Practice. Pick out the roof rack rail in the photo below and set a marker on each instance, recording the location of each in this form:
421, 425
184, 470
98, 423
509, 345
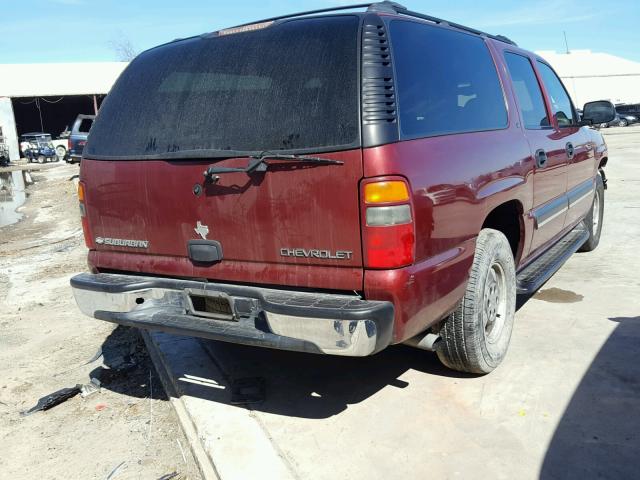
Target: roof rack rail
393, 7
310, 12
386, 7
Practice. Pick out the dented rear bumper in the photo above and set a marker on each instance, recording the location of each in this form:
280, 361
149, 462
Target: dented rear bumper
282, 319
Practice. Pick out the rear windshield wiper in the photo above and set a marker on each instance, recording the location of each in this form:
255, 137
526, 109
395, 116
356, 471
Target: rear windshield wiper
257, 163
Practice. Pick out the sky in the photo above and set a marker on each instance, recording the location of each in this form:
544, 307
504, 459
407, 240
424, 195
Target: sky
34, 31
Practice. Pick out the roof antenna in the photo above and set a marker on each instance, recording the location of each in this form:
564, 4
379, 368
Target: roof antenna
566, 44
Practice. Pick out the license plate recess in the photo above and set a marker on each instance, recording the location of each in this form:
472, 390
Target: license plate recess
210, 304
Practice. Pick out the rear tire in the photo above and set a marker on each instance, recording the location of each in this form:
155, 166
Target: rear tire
475, 337
623, 123
593, 220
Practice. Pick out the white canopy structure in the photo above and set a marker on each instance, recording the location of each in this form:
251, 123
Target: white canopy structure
596, 76
58, 79
42, 80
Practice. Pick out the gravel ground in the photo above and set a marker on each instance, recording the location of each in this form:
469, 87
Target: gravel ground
45, 344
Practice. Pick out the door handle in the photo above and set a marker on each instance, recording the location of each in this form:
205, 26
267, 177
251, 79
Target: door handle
541, 158
570, 150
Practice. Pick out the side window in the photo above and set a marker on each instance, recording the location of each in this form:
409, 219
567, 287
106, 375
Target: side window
527, 89
560, 102
446, 81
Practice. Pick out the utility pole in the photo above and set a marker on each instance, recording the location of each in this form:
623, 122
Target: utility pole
566, 44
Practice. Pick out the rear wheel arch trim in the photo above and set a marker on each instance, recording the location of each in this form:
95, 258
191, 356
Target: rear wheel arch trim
603, 162
487, 222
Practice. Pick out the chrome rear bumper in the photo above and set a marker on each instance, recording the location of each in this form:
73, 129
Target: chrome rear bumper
282, 319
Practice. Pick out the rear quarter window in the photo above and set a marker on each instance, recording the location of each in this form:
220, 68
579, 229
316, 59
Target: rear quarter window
447, 81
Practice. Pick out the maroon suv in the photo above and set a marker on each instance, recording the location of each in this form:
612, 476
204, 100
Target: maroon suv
336, 183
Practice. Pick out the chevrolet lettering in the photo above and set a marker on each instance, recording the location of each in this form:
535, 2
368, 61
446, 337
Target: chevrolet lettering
314, 253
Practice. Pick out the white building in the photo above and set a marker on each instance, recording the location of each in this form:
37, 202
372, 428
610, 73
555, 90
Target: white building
596, 76
47, 96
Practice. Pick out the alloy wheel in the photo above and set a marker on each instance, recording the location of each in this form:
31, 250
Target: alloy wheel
494, 310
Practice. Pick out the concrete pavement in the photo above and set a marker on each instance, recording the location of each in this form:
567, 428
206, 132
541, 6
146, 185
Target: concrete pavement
564, 404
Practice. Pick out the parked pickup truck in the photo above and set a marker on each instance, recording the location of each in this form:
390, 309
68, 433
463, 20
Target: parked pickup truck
337, 183
78, 137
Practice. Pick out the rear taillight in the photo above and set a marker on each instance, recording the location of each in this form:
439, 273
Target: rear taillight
68, 143
388, 230
88, 240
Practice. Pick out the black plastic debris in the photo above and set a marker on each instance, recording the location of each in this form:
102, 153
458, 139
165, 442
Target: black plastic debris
124, 363
95, 357
247, 390
53, 399
118, 367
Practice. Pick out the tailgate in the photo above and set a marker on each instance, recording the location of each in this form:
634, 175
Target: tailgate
286, 88
77, 145
295, 216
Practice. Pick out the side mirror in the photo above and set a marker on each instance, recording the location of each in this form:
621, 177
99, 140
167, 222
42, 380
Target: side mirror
595, 113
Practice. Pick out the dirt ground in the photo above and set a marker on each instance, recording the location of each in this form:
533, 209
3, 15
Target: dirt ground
128, 429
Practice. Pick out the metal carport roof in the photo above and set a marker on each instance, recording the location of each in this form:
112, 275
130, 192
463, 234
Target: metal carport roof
58, 79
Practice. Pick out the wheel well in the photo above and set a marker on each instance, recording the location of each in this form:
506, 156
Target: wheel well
507, 218
603, 162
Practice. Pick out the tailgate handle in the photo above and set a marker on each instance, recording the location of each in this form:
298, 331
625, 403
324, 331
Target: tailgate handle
205, 251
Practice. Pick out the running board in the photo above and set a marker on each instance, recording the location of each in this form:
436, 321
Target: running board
533, 276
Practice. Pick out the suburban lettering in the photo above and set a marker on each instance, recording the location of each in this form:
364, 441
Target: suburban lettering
122, 242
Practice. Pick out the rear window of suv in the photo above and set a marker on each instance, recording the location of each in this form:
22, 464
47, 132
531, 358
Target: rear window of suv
446, 80
85, 125
289, 86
